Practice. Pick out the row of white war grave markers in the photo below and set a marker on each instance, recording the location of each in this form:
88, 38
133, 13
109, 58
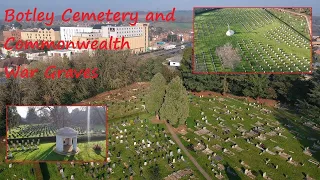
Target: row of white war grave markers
276, 59
206, 28
288, 36
38, 130
206, 131
22, 145
294, 21
31, 131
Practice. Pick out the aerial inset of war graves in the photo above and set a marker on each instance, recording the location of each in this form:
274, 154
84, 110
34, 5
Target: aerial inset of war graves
251, 40
53, 133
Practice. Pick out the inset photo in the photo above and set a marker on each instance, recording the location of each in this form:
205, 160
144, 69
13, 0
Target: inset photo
252, 40
56, 133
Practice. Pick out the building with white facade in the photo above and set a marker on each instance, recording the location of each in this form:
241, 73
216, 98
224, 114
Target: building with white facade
136, 36
60, 53
122, 31
66, 33
88, 35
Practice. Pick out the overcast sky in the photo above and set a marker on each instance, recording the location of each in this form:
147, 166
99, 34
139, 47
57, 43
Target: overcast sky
59, 6
23, 110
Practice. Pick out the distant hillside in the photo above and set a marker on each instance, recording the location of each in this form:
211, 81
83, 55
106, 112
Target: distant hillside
316, 25
181, 16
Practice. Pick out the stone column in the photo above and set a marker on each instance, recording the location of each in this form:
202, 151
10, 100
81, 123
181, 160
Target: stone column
59, 143
70, 141
74, 143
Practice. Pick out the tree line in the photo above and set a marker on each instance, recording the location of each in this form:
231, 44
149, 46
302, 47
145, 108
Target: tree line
120, 68
116, 69
56, 115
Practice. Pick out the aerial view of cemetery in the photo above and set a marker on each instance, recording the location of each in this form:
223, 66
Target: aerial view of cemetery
160, 91
252, 40
229, 137
56, 133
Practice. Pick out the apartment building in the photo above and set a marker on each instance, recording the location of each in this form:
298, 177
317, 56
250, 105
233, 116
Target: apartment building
136, 36
41, 34
86, 36
66, 33
16, 33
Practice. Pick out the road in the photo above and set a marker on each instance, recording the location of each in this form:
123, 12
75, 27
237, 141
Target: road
184, 149
162, 52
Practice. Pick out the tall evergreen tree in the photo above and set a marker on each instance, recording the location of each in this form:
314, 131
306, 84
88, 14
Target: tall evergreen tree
310, 106
13, 117
257, 86
154, 98
32, 116
314, 95
175, 108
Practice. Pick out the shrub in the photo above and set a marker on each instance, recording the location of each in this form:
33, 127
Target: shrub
97, 147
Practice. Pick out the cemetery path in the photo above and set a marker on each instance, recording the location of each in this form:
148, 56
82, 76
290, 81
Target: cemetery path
37, 171
184, 149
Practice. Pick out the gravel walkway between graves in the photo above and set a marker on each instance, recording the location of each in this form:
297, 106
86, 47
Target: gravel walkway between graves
37, 171
184, 149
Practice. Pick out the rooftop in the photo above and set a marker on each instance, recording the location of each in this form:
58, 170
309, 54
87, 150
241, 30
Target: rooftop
13, 61
37, 29
3, 80
98, 26
176, 58
66, 131
55, 28
61, 50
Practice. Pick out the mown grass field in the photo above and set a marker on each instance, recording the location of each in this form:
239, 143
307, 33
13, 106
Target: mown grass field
17, 171
46, 153
263, 42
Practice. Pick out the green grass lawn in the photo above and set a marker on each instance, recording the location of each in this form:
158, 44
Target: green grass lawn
79, 172
298, 22
17, 171
46, 153
263, 43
